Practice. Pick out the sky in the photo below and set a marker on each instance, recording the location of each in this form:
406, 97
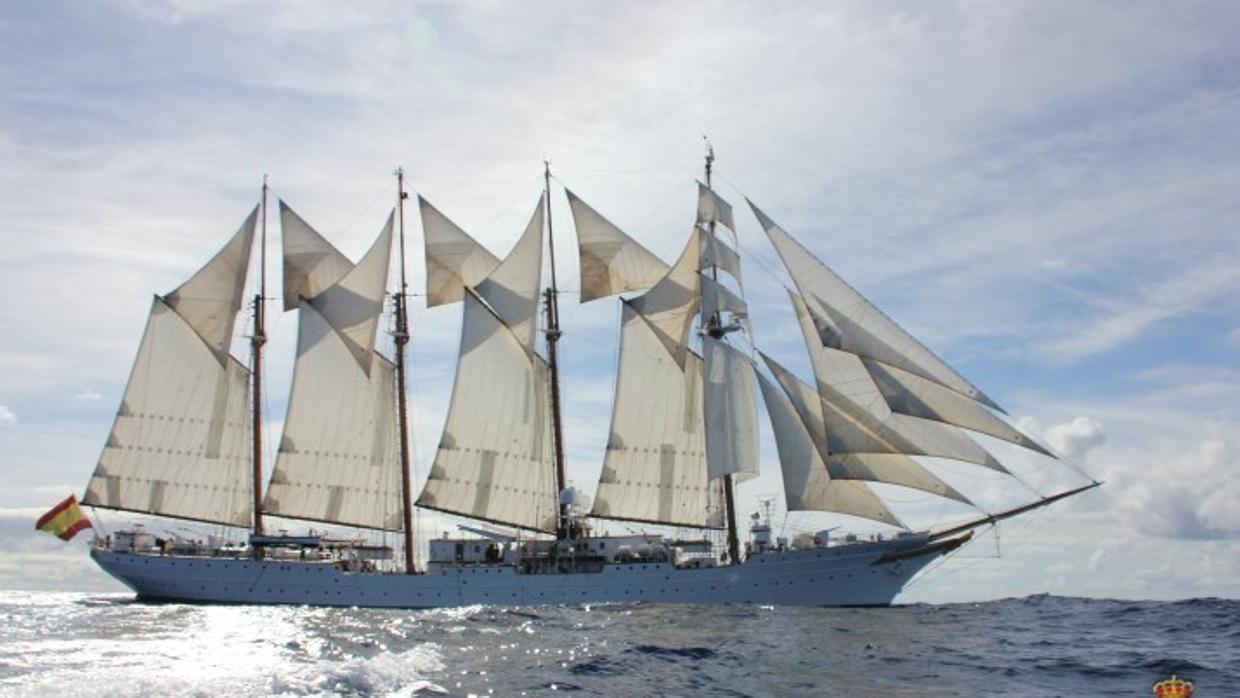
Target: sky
1044, 194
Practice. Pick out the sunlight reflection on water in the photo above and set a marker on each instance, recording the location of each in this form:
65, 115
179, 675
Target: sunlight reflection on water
83, 644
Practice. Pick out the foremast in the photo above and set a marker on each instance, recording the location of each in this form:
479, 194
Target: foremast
715, 329
401, 338
681, 420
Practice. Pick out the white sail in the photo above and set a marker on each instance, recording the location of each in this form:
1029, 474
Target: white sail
712, 208
353, 304
454, 260
849, 449
718, 298
670, 305
866, 422
731, 411
512, 289
718, 255
495, 459
181, 442
210, 299
311, 263
859, 327
909, 394
338, 459
655, 469
807, 484
610, 261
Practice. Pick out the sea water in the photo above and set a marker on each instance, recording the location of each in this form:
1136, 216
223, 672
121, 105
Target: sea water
76, 644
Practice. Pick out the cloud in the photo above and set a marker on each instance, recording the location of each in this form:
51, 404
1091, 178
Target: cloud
1180, 294
1076, 439
1188, 495
7, 416
88, 395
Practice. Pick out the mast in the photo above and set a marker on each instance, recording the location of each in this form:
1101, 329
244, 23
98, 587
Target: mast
553, 336
714, 329
402, 338
257, 340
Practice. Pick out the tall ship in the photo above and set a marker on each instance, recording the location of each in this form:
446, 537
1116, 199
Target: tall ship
684, 433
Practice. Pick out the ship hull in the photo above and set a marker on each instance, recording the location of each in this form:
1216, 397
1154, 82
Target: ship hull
863, 574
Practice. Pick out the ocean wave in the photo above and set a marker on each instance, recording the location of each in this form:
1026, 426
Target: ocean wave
91, 644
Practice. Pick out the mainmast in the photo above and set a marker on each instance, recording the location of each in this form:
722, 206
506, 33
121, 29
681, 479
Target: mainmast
714, 327
553, 336
257, 340
402, 338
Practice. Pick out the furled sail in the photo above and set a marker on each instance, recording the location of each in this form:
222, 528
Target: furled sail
731, 411
611, 262
655, 469
311, 263
337, 460
807, 484
853, 402
859, 327
495, 459
849, 449
180, 445
454, 260
512, 289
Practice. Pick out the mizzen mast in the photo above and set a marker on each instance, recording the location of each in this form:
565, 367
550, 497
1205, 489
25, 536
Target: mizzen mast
257, 340
551, 296
714, 328
402, 338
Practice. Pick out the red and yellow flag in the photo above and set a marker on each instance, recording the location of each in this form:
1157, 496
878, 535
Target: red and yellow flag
64, 520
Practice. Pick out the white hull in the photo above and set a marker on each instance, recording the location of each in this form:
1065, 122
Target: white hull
847, 575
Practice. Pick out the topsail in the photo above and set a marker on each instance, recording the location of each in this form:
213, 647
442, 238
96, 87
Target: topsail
454, 260
610, 261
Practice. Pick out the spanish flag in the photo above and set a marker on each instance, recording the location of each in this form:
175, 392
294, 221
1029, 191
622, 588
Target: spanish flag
64, 520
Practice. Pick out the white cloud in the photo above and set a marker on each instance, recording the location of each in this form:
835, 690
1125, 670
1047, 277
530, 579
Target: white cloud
1193, 497
88, 395
1076, 439
7, 415
1180, 294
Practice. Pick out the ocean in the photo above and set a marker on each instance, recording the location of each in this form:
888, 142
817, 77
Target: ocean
81, 644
